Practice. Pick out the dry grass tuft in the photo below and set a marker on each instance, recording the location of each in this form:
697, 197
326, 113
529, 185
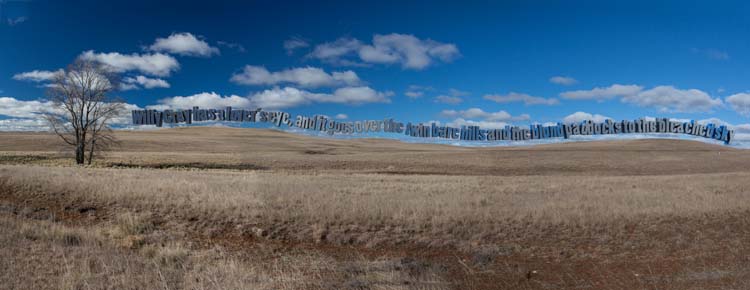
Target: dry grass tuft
267, 210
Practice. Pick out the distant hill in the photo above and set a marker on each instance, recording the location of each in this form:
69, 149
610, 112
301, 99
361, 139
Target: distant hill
236, 140
203, 147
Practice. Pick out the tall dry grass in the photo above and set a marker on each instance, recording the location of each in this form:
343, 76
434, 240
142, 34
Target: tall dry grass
459, 208
41, 254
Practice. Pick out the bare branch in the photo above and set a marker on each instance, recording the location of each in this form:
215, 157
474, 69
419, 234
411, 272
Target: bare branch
82, 109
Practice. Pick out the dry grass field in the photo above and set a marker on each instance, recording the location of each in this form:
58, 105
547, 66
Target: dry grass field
221, 208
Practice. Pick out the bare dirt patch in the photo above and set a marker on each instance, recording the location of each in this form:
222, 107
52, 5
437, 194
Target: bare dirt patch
311, 213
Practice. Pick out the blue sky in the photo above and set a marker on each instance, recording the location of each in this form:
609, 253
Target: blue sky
491, 63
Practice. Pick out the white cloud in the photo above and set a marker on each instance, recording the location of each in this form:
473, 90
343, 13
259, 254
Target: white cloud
740, 103
563, 80
236, 46
457, 93
663, 98
453, 97
583, 116
458, 122
415, 91
294, 43
405, 49
355, 96
408, 50
671, 99
37, 75
600, 94
203, 100
477, 113
448, 100
342, 116
287, 97
420, 88
17, 20
742, 128
15, 108
124, 117
414, 94
29, 115
156, 64
185, 44
712, 120
303, 76
517, 97
333, 51
277, 98
23, 125
134, 83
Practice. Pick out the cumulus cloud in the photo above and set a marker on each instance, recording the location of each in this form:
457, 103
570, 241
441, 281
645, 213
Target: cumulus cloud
663, 98
15, 108
185, 44
563, 80
334, 51
740, 103
294, 43
477, 113
29, 115
23, 125
204, 100
414, 94
457, 93
278, 98
458, 122
134, 83
303, 76
583, 116
453, 97
37, 75
404, 49
342, 116
601, 94
671, 99
156, 64
409, 51
443, 99
742, 128
525, 98
415, 91
356, 96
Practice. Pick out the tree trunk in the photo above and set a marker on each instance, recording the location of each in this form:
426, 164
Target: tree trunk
91, 151
80, 153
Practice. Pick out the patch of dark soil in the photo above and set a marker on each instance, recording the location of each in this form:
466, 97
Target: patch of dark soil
318, 152
16, 159
190, 165
665, 253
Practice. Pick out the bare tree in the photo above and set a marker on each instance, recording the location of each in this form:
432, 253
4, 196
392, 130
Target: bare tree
82, 108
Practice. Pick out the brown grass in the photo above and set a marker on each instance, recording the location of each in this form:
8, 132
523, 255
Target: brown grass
486, 205
41, 254
293, 212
